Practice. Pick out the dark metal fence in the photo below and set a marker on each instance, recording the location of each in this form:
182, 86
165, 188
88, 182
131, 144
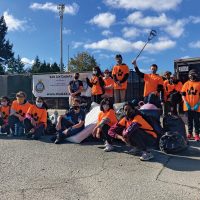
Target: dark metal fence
11, 84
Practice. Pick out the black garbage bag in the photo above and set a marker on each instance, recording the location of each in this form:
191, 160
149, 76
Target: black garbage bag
172, 142
172, 123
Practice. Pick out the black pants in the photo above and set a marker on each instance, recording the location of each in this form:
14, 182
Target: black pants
12, 120
4, 126
193, 121
38, 130
142, 140
167, 107
96, 98
104, 135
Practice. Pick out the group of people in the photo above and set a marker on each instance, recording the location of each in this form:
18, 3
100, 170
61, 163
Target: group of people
165, 93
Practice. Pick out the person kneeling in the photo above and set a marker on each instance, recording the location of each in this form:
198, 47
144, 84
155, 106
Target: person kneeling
106, 119
36, 119
70, 124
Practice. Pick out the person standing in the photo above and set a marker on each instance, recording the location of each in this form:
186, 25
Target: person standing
120, 75
109, 85
153, 87
75, 88
191, 99
97, 84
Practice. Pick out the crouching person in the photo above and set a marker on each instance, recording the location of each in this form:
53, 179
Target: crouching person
18, 111
106, 119
70, 124
135, 131
4, 114
36, 119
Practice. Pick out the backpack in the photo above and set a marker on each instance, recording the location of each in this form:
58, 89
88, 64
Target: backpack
172, 142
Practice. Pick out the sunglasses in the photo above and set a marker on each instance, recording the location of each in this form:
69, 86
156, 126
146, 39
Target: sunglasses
76, 107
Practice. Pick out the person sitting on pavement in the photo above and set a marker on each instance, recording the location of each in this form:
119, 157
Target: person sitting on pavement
18, 111
135, 131
70, 124
75, 88
36, 119
4, 114
106, 119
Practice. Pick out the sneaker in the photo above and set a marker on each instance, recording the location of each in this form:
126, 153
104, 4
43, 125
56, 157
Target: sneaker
57, 141
146, 156
108, 148
134, 151
196, 138
190, 136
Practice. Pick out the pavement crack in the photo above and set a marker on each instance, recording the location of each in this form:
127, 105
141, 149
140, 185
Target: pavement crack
163, 167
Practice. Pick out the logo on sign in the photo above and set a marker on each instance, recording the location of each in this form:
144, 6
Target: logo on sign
183, 68
39, 86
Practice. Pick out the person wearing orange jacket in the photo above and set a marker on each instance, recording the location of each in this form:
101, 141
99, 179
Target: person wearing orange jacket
4, 114
120, 75
97, 84
36, 119
18, 111
191, 99
153, 85
143, 135
109, 85
106, 119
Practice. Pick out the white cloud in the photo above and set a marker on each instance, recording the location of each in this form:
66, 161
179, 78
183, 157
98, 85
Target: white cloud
13, 23
103, 20
174, 28
195, 44
106, 33
157, 5
27, 61
76, 45
177, 28
117, 44
185, 57
149, 21
130, 32
67, 31
69, 9
194, 19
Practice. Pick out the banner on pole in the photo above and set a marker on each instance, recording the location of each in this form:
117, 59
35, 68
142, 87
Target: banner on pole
55, 85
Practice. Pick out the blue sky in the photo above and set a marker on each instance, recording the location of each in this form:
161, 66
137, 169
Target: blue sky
105, 28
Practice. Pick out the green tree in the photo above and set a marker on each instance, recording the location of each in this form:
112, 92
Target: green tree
36, 65
55, 67
16, 65
45, 67
6, 52
82, 62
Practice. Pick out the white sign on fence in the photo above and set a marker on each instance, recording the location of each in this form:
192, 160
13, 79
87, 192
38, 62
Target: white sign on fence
55, 85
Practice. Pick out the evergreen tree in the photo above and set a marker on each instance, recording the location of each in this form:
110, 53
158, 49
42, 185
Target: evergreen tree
55, 67
82, 62
44, 67
16, 65
5, 47
36, 65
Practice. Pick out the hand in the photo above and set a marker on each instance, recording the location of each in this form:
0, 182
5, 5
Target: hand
118, 83
187, 105
73, 94
58, 126
21, 118
98, 134
134, 63
195, 108
94, 132
33, 122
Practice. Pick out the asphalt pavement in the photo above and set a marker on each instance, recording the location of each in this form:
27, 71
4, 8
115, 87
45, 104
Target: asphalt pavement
31, 170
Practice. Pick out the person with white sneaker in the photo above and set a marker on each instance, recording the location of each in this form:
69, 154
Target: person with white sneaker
106, 119
134, 130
